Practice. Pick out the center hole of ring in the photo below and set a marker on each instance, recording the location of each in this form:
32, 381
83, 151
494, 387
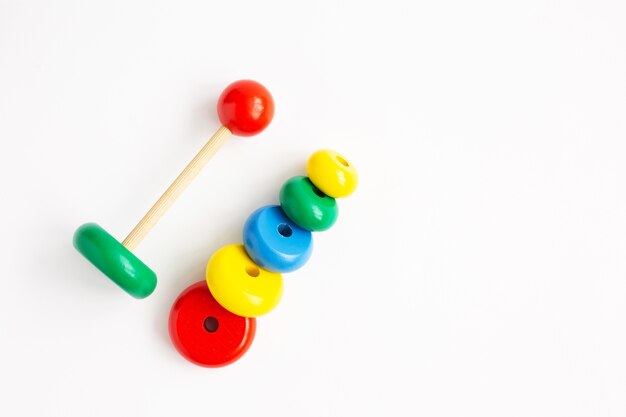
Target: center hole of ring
253, 270
342, 161
285, 230
211, 324
318, 191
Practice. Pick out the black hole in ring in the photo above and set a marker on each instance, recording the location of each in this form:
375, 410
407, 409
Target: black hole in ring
253, 271
342, 161
285, 230
211, 324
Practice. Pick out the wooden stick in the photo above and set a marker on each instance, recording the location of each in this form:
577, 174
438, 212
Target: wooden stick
180, 183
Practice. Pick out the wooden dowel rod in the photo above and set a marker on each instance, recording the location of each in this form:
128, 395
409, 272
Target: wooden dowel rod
180, 183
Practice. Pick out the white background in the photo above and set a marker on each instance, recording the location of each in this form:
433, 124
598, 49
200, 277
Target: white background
479, 270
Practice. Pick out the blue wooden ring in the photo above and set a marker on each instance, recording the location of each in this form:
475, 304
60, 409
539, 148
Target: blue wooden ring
274, 242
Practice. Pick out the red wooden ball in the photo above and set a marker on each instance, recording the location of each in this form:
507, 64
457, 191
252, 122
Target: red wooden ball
245, 107
204, 332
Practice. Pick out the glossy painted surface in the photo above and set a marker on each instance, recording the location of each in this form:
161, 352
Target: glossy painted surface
114, 260
332, 173
204, 332
245, 107
240, 285
307, 206
274, 242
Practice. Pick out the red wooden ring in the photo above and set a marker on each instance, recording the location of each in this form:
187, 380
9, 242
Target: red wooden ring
204, 332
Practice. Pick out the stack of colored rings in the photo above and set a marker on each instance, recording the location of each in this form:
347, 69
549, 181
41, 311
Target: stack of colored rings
213, 324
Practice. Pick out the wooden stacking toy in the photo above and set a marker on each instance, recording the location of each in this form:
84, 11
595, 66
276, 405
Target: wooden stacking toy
245, 108
213, 323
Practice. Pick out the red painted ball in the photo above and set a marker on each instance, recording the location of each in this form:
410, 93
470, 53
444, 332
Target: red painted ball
206, 333
245, 107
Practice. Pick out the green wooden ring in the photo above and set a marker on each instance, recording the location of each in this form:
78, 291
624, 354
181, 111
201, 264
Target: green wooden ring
307, 206
114, 260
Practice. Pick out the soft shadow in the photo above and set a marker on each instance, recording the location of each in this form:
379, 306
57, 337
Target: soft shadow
191, 271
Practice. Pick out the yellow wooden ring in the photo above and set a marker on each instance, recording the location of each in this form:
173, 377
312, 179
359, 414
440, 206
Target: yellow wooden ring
333, 174
241, 286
